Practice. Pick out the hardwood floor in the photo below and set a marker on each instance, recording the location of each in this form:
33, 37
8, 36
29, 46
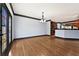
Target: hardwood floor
45, 46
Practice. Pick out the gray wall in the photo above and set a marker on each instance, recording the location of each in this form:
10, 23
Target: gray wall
25, 27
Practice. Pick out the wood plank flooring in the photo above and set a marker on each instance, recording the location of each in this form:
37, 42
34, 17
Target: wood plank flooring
45, 46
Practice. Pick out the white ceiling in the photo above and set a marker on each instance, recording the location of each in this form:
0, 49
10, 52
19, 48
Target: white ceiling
58, 12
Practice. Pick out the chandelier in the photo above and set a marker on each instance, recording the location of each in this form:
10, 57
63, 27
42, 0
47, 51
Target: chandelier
43, 19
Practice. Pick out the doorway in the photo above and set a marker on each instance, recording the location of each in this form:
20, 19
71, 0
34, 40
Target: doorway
53, 27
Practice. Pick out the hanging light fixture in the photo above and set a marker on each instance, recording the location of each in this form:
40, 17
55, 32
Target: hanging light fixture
43, 19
